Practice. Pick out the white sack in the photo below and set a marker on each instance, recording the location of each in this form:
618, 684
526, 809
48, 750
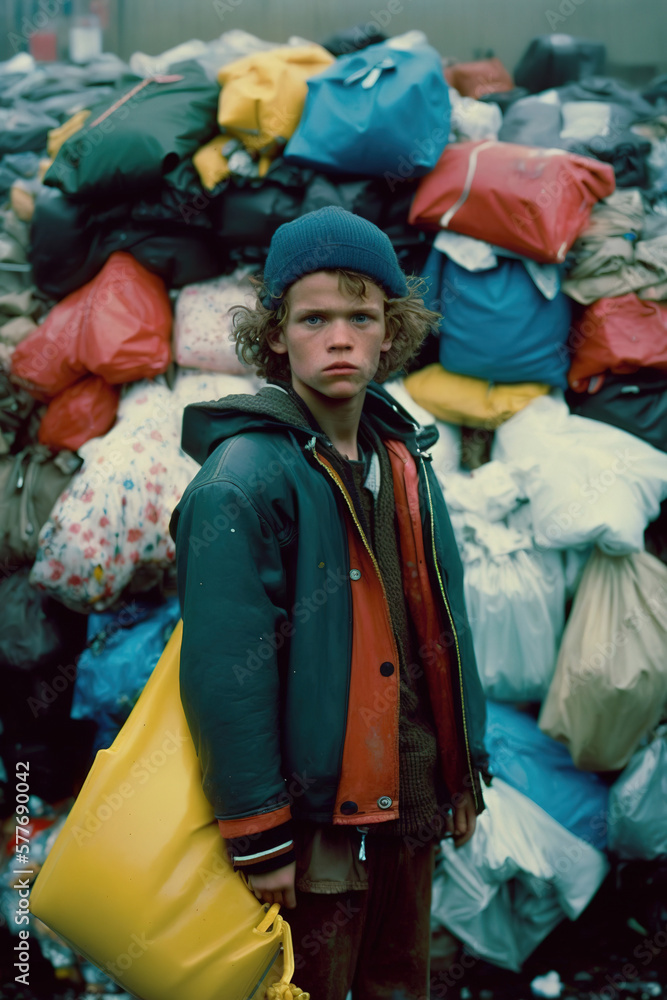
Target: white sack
637, 820
491, 492
520, 874
588, 483
515, 597
473, 119
516, 607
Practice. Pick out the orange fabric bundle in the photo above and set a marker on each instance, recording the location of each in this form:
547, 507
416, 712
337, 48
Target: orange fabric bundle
118, 326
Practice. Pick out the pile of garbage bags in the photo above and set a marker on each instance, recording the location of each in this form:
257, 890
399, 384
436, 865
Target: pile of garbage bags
138, 202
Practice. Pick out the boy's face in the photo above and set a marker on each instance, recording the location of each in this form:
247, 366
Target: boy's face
333, 342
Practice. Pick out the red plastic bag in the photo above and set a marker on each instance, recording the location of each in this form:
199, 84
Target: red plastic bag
80, 412
117, 326
530, 200
474, 79
619, 335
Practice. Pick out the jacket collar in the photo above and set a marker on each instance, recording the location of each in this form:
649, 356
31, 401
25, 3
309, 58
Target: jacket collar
276, 407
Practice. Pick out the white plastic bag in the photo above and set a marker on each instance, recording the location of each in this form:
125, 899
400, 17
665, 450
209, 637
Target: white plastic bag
520, 874
492, 491
516, 607
637, 819
515, 597
515, 594
588, 483
473, 119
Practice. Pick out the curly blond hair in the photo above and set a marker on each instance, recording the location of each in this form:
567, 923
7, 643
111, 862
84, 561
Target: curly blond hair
407, 318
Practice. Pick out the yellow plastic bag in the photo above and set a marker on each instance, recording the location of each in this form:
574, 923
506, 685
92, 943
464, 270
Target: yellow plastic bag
57, 137
460, 399
138, 880
263, 94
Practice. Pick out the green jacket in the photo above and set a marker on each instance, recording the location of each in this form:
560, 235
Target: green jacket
264, 583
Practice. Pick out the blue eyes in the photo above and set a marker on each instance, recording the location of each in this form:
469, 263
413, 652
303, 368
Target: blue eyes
316, 320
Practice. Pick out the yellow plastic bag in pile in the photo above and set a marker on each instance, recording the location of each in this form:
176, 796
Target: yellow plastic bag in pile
209, 162
138, 880
610, 684
460, 399
57, 137
263, 94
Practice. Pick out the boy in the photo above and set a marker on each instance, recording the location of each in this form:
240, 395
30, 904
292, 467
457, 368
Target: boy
327, 669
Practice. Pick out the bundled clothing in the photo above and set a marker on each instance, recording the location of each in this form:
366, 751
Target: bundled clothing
327, 674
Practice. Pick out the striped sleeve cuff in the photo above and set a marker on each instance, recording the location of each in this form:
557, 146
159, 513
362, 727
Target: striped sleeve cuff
263, 852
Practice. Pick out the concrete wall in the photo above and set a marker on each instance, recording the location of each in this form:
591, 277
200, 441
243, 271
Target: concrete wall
634, 31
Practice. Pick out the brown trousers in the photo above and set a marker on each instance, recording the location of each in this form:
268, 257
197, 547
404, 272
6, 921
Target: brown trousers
374, 942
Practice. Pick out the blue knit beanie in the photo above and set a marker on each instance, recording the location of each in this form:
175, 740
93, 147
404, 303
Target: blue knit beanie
330, 237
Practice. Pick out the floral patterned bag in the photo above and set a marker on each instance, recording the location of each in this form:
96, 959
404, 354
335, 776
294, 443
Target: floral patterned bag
203, 323
112, 522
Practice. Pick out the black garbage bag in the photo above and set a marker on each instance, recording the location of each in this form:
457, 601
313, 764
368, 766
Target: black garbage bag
354, 39
171, 235
248, 212
635, 403
552, 60
37, 633
656, 92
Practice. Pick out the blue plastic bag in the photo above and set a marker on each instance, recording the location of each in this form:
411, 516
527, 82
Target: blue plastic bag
497, 325
383, 111
541, 768
123, 650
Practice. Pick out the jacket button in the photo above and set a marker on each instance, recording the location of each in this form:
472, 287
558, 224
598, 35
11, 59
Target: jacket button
355, 574
386, 669
348, 808
385, 802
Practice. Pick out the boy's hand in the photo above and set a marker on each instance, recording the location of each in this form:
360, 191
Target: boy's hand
465, 820
275, 887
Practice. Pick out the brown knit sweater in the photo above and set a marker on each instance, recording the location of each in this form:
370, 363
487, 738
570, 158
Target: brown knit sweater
421, 789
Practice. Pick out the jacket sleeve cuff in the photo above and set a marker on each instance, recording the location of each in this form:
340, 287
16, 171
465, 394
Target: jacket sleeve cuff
264, 851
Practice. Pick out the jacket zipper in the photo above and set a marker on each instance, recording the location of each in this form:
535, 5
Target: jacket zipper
363, 538
456, 638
